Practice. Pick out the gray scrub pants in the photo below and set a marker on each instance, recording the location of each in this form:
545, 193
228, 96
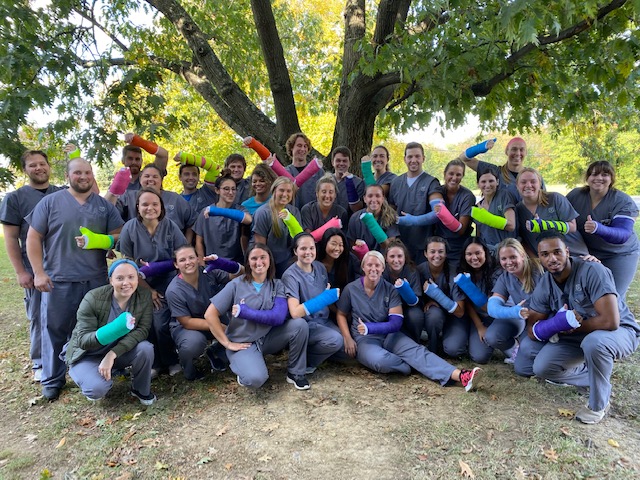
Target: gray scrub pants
434, 319
58, 309
502, 332
160, 337
413, 322
324, 342
32, 299
395, 352
249, 364
93, 385
191, 344
580, 360
623, 267
461, 336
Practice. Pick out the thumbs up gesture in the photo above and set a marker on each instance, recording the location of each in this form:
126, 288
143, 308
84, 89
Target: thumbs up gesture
590, 226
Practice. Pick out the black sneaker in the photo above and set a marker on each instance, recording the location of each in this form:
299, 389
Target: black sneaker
298, 381
144, 399
214, 355
51, 393
470, 378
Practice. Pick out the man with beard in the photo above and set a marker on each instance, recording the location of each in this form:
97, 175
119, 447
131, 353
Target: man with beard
13, 211
66, 262
576, 304
132, 157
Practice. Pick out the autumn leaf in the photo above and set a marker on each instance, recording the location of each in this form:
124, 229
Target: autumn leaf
61, 443
566, 431
228, 466
551, 455
465, 470
203, 460
161, 466
613, 443
265, 458
222, 431
423, 458
563, 412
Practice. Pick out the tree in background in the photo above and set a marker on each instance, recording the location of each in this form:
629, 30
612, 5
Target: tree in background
100, 66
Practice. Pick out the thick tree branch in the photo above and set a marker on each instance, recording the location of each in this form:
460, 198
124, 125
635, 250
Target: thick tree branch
389, 12
279, 81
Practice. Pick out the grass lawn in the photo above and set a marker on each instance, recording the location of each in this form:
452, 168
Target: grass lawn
351, 424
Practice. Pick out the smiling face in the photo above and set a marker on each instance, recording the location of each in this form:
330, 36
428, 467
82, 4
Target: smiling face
237, 170
227, 191
80, 175
372, 268
151, 178
395, 258
374, 198
488, 184
511, 261
340, 163
133, 160
259, 185
305, 250
259, 263
453, 177
516, 151
414, 158
326, 194
283, 194
553, 255
124, 281
37, 169
599, 182
189, 177
475, 256
436, 254
149, 206
335, 247
379, 159
186, 261
529, 186
299, 151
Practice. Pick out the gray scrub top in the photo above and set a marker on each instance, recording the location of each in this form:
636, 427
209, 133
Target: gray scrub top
312, 216
306, 193
176, 208
356, 302
263, 225
304, 286
501, 202
186, 301
58, 218
358, 230
463, 200
221, 235
508, 286
343, 199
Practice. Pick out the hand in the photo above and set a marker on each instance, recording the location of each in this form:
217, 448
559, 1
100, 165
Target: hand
235, 310
399, 282
106, 365
524, 313
270, 159
80, 241
128, 138
157, 299
246, 141
528, 223
482, 332
211, 257
236, 347
177, 158
25, 279
350, 346
42, 282
590, 225
282, 214
438, 207
590, 258
362, 328
205, 211
429, 304
69, 147
366, 158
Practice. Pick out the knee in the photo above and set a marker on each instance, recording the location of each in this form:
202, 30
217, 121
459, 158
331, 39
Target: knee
453, 347
481, 358
97, 390
594, 344
254, 378
298, 326
434, 319
192, 346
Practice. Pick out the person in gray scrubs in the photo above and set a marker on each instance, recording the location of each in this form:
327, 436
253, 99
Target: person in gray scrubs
606, 220
373, 336
92, 354
298, 147
65, 265
258, 324
237, 165
607, 330
349, 185
380, 164
411, 193
305, 280
14, 209
317, 213
385, 215
268, 223
188, 297
152, 237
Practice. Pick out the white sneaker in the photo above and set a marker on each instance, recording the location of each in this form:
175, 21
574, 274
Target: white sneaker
37, 374
588, 416
174, 369
154, 373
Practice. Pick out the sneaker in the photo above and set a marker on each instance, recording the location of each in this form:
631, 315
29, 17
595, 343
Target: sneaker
174, 369
239, 382
310, 370
588, 416
556, 384
298, 381
511, 354
217, 363
37, 374
154, 373
470, 378
95, 400
144, 399
51, 393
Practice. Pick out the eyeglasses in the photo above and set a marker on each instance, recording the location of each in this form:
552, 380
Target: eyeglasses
229, 189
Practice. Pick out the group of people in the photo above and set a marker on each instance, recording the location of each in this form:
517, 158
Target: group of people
385, 269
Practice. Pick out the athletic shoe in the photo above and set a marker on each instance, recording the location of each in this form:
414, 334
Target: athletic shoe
310, 370
51, 393
174, 369
512, 353
144, 399
470, 378
239, 382
557, 384
298, 381
588, 416
37, 374
154, 373
217, 363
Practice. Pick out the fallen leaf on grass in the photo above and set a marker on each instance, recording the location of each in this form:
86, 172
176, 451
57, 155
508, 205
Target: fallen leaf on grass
128, 435
566, 431
161, 466
465, 470
86, 421
31, 438
521, 474
551, 455
270, 428
136, 415
222, 431
364, 403
265, 458
228, 466
467, 451
203, 460
494, 397
61, 443
423, 458
613, 443
564, 412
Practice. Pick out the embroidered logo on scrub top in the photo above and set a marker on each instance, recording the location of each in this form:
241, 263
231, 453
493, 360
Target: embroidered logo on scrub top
578, 288
170, 207
386, 299
102, 209
552, 210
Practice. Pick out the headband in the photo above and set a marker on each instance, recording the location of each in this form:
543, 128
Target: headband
122, 261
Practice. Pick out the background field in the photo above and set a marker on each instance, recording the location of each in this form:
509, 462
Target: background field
351, 424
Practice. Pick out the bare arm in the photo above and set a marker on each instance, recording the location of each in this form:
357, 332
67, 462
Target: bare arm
510, 215
41, 280
191, 323
607, 315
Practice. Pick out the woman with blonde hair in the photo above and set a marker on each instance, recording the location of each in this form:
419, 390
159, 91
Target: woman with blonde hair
325, 208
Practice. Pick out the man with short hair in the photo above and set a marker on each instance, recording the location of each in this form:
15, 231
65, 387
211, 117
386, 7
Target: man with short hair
411, 193
16, 206
189, 176
350, 187
237, 165
132, 157
68, 262
298, 147
576, 304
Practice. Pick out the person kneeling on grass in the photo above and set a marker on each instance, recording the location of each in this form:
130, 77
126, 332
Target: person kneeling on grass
374, 336
111, 331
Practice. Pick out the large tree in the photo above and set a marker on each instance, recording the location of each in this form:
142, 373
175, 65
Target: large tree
98, 66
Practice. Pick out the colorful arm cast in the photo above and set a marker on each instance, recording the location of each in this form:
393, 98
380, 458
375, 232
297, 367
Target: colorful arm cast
274, 317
